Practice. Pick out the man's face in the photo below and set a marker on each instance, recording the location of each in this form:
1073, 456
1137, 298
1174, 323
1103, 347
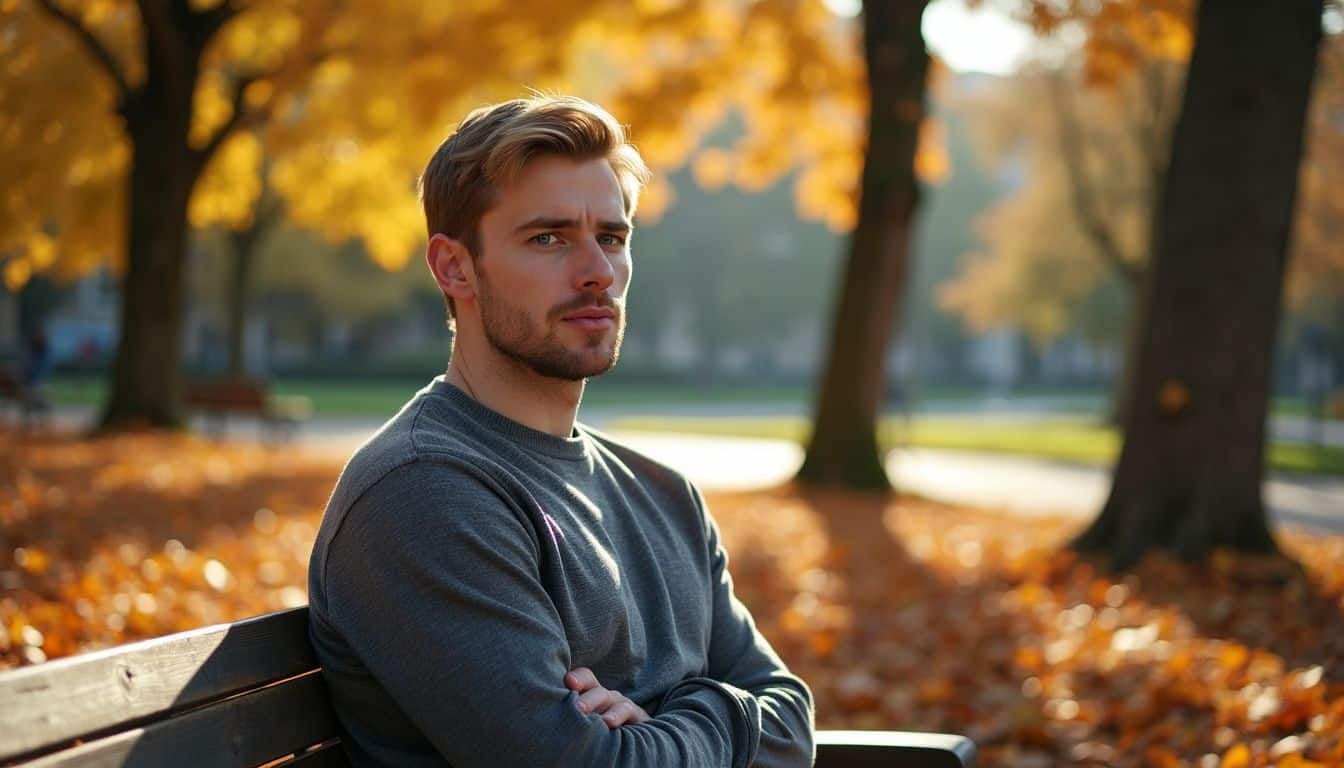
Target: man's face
554, 268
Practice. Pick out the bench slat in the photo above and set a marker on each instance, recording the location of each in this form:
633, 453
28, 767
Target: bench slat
81, 696
246, 730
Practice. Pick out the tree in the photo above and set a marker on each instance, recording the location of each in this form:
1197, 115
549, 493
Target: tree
1190, 470
166, 154
843, 449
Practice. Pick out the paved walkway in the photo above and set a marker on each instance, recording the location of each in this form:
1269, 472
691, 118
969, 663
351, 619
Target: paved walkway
1018, 484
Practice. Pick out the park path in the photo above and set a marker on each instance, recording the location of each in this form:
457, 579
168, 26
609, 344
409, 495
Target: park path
1017, 484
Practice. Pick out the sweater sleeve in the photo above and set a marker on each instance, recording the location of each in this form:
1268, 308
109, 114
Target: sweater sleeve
434, 579
745, 669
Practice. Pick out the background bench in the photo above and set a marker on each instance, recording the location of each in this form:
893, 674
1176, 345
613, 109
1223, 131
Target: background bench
32, 408
218, 398
251, 694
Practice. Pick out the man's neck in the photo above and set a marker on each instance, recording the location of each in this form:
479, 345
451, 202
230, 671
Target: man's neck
513, 390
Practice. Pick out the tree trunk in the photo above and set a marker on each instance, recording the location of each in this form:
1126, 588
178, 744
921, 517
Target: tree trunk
843, 450
242, 270
146, 380
1190, 472
244, 243
708, 306
1123, 387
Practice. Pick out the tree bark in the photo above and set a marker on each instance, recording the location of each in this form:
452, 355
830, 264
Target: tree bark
1190, 471
843, 450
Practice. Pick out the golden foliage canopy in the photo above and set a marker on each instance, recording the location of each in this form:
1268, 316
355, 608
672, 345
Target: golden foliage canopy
337, 105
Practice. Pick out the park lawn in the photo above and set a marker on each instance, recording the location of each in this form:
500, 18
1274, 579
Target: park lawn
1065, 439
899, 613
381, 398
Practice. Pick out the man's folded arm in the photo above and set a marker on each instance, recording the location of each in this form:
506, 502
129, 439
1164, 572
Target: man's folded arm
433, 580
742, 665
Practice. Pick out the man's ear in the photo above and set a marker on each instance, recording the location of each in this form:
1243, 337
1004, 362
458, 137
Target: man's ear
450, 263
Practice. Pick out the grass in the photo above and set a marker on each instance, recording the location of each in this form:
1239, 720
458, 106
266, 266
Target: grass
1066, 439
1072, 437
375, 397
382, 398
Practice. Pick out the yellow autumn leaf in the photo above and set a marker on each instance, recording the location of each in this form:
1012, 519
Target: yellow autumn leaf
1239, 756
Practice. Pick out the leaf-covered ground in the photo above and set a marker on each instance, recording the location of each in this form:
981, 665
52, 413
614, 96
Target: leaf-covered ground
908, 614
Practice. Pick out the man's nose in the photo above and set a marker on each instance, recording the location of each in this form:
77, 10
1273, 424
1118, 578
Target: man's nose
594, 272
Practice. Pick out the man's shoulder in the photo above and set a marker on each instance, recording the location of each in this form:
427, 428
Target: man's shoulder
412, 473
420, 439
418, 450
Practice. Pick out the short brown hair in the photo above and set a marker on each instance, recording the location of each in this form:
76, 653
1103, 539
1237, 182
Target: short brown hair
492, 145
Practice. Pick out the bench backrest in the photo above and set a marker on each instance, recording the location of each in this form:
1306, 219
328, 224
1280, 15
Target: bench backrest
248, 693
226, 394
9, 385
251, 694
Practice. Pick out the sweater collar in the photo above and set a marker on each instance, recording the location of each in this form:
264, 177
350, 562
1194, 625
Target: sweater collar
572, 448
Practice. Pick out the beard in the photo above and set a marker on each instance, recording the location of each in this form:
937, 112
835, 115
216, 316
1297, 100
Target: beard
515, 333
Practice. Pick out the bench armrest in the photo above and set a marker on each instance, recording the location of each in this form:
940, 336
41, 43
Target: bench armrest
893, 749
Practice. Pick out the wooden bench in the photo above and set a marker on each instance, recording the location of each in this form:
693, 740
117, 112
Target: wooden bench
251, 694
33, 409
218, 398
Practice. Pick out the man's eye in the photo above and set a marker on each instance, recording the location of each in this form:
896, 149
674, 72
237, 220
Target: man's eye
615, 240
545, 238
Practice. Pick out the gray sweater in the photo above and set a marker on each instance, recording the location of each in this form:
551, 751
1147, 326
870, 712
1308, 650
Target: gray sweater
466, 563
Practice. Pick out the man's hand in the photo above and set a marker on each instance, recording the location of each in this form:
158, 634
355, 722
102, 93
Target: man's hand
615, 709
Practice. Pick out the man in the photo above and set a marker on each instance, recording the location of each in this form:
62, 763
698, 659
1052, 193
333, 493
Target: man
496, 585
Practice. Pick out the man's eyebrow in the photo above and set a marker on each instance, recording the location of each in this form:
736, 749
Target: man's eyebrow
550, 222
546, 222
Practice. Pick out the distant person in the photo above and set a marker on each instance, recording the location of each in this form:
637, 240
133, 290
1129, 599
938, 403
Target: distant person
496, 585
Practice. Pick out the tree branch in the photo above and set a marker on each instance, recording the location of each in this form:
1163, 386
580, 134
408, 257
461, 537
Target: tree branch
241, 116
1081, 198
91, 44
169, 59
205, 24
1156, 128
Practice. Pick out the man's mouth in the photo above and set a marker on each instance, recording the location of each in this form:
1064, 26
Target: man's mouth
591, 319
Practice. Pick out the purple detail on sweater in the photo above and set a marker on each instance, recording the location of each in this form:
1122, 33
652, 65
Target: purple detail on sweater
556, 533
